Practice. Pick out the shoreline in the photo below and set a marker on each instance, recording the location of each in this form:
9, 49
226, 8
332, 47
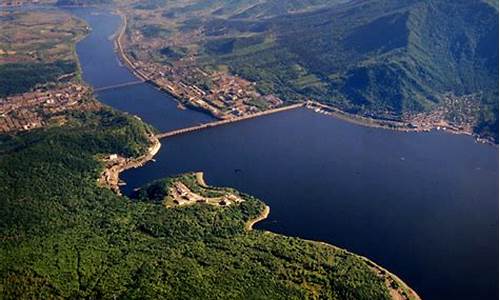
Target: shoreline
200, 179
401, 126
110, 177
403, 290
264, 214
117, 37
344, 116
382, 272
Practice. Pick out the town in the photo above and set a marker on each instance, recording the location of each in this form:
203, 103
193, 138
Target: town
228, 96
231, 97
223, 95
43, 107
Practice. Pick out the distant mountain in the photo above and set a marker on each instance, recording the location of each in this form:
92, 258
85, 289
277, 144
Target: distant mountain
242, 8
270, 8
82, 2
383, 58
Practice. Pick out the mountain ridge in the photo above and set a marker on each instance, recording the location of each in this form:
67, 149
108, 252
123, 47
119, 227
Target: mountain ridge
385, 58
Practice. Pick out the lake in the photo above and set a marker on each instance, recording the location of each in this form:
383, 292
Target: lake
423, 205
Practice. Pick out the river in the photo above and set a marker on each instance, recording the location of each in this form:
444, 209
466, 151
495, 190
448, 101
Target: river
423, 205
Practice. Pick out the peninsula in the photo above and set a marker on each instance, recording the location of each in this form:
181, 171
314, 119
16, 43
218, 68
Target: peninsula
66, 232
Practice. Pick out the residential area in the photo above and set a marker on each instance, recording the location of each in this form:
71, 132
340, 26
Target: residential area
41, 107
223, 95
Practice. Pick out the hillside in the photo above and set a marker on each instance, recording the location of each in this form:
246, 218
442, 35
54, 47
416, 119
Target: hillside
238, 8
63, 236
384, 59
36, 48
379, 58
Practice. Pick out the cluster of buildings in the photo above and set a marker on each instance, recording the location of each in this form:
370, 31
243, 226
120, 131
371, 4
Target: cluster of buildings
454, 113
227, 97
223, 95
182, 196
35, 109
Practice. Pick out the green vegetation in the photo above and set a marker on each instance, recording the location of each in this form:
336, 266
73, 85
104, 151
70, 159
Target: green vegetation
381, 58
358, 64
240, 8
172, 53
157, 191
16, 78
149, 4
62, 236
39, 36
154, 31
37, 48
487, 125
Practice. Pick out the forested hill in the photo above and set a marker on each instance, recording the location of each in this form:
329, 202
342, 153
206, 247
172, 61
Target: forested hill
64, 237
383, 58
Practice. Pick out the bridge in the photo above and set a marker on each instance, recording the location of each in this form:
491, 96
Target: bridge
227, 121
119, 85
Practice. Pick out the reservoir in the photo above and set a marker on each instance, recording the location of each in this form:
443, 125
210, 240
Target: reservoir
423, 205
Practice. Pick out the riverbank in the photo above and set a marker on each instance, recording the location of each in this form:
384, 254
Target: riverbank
403, 126
390, 125
118, 42
414, 262
399, 290
264, 214
114, 165
119, 48
200, 179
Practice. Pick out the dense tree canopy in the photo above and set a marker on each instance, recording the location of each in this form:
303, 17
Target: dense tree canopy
63, 236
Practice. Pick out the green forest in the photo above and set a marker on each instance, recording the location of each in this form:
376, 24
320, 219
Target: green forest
382, 59
62, 236
16, 78
385, 59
